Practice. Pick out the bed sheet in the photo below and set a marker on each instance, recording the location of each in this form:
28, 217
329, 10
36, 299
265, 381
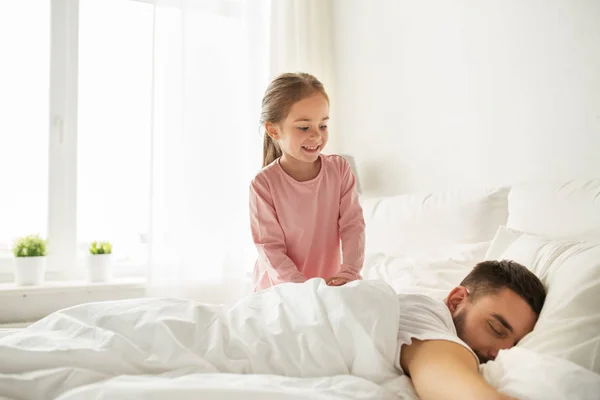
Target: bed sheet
433, 273
270, 345
233, 386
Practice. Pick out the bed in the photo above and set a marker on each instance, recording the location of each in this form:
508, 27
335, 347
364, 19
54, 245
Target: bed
175, 348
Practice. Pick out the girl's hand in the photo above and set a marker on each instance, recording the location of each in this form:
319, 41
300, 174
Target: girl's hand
336, 281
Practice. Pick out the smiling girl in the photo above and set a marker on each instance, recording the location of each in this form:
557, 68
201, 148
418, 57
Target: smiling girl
303, 204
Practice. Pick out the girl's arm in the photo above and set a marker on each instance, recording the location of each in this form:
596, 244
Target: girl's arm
269, 238
351, 226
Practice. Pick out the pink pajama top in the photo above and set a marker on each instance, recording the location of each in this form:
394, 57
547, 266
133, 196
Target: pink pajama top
298, 227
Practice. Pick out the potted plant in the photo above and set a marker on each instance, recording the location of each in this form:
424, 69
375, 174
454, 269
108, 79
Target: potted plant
30, 260
99, 261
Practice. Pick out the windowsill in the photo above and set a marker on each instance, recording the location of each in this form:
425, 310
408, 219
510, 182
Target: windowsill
26, 304
30, 303
76, 274
57, 287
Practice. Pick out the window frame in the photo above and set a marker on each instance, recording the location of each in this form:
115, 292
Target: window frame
62, 168
62, 146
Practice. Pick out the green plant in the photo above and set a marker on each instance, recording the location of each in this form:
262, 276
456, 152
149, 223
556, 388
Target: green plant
97, 248
29, 246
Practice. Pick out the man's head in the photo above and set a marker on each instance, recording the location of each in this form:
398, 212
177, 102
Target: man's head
495, 306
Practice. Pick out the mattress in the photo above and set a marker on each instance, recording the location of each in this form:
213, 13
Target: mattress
232, 386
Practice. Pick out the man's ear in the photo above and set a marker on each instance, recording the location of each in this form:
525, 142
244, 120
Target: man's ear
456, 298
272, 130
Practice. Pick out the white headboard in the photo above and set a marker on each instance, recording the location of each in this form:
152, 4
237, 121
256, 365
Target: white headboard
422, 222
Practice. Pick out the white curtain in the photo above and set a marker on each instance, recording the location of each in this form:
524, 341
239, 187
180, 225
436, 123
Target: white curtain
302, 41
212, 62
301, 38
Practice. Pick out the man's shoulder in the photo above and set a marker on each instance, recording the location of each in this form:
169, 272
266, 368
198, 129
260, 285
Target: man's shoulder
425, 318
426, 310
410, 299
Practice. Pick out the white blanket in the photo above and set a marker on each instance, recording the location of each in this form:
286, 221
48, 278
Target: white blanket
341, 342
308, 330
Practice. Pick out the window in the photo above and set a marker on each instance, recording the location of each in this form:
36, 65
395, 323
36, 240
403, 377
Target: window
77, 79
24, 131
114, 127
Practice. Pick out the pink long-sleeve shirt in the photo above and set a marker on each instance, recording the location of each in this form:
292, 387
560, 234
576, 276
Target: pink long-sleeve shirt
297, 227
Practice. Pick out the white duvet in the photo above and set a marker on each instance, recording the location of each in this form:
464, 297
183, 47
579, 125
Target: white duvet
296, 341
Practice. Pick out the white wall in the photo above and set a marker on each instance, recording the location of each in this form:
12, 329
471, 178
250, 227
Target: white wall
436, 93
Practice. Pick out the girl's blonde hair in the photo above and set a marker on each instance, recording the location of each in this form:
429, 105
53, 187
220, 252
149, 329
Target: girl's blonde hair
283, 92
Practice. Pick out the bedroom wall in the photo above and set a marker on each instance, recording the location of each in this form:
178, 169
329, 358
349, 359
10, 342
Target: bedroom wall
434, 93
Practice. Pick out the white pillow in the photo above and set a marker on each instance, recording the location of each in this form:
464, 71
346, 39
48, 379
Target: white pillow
415, 223
502, 240
431, 274
506, 236
555, 209
569, 324
527, 375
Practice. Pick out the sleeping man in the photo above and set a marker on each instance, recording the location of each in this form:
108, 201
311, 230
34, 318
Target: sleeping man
440, 345
305, 330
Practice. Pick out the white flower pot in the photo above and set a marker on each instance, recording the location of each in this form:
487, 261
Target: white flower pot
29, 270
99, 267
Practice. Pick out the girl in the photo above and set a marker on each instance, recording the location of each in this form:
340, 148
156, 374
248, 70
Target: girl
303, 203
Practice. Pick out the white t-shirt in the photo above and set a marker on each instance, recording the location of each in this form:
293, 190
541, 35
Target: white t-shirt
424, 318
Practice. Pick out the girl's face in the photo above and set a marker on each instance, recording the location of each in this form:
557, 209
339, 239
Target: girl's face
302, 135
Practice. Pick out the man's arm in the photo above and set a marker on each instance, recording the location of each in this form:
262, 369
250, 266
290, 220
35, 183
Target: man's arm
442, 369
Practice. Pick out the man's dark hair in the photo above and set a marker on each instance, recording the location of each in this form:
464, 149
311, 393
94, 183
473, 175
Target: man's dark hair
491, 276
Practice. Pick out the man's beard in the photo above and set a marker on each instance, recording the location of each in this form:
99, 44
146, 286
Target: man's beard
459, 322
